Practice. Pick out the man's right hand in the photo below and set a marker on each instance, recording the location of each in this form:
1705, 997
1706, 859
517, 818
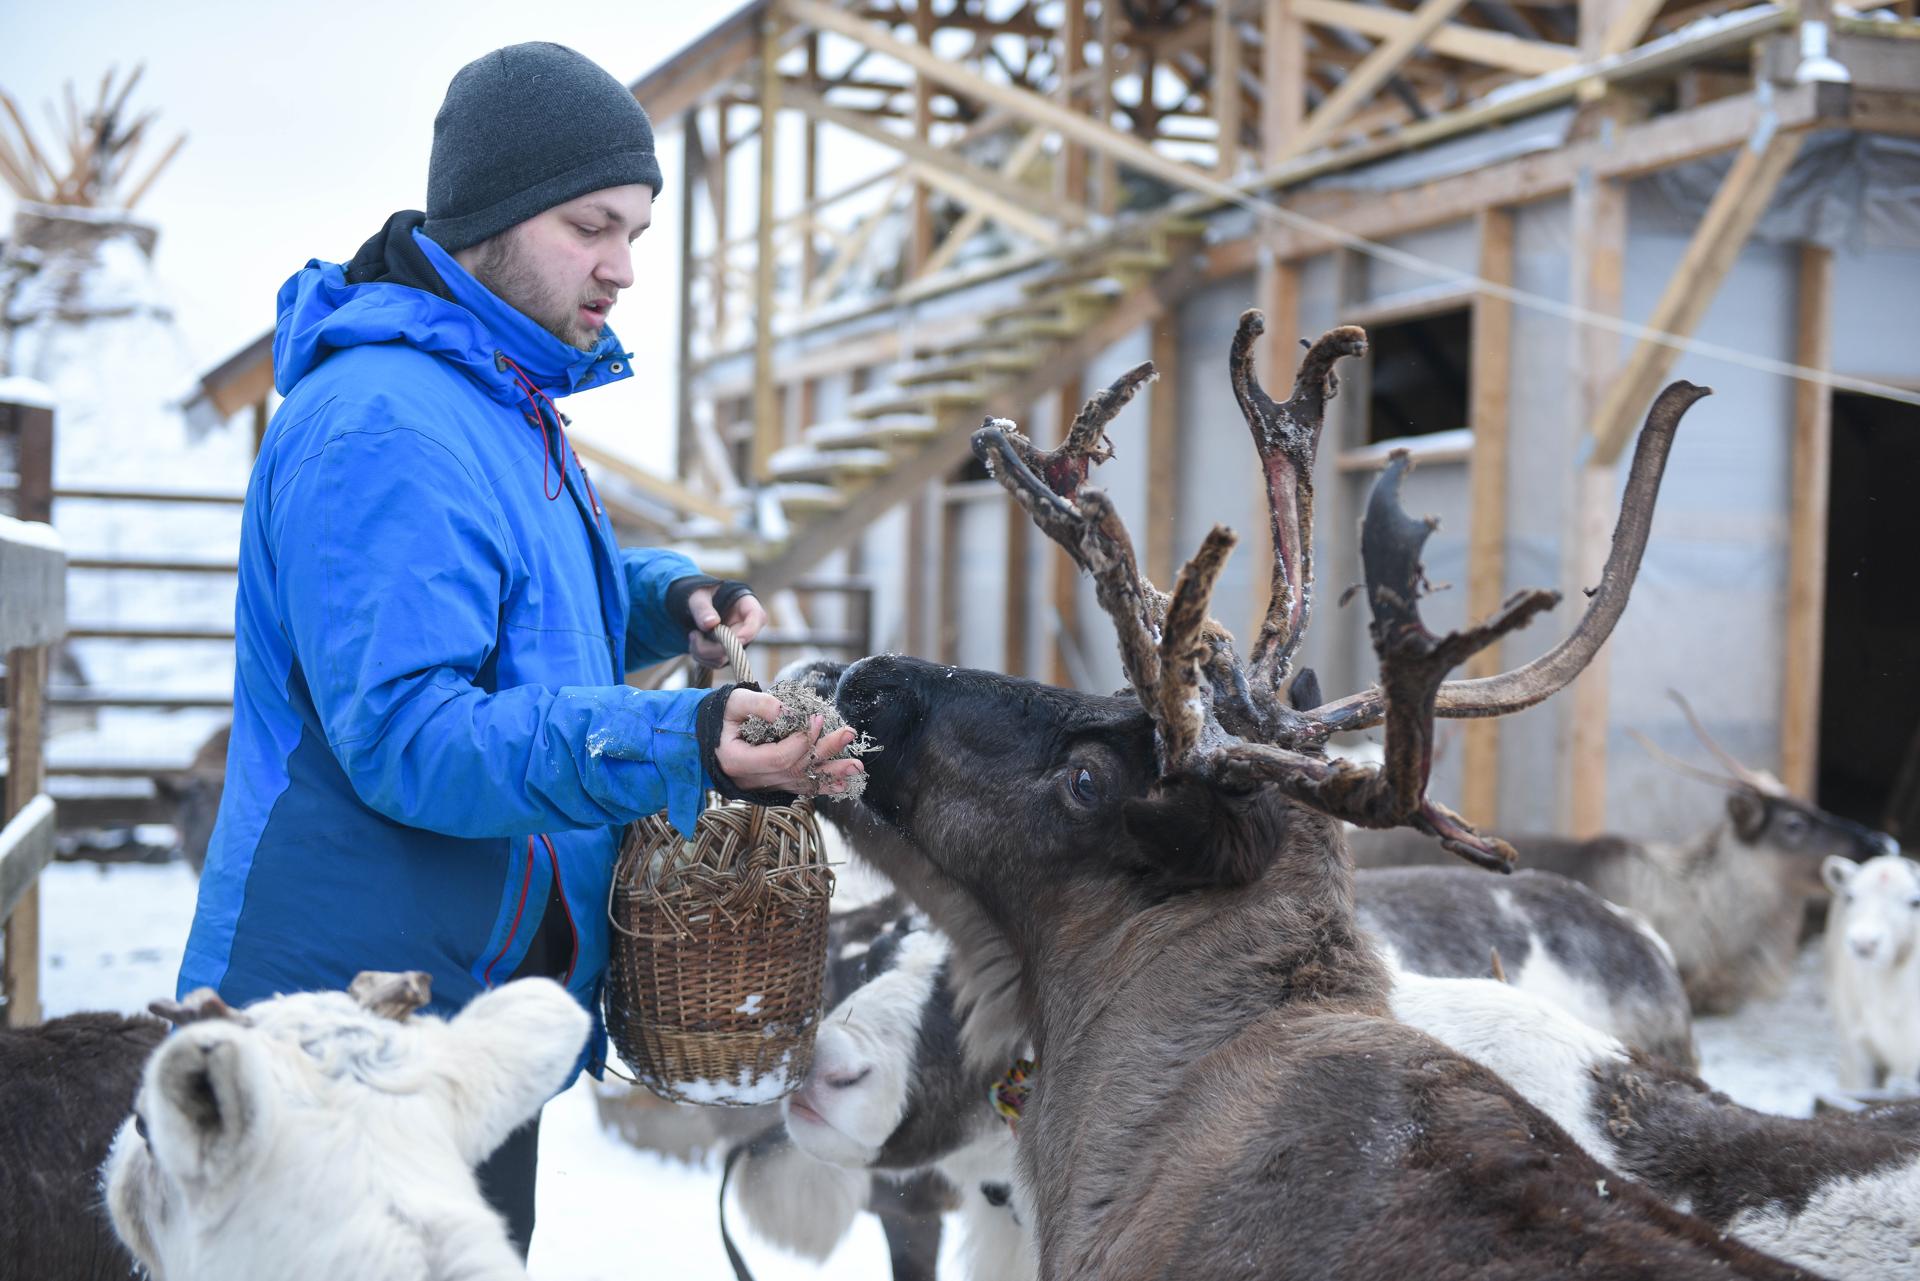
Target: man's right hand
782, 766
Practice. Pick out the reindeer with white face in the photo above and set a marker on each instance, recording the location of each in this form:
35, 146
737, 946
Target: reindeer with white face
1222, 1089
328, 1135
1873, 970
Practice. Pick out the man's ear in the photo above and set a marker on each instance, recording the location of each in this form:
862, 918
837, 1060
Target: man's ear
1196, 835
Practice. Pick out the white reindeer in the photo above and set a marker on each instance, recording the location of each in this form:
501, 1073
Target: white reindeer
1873, 969
328, 1135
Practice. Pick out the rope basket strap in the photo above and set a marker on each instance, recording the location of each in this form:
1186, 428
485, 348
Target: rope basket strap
736, 658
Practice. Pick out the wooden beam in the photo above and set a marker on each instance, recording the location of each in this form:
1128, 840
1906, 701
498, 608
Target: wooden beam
1807, 531
1163, 446
1470, 44
26, 846
810, 177
715, 59
1226, 88
854, 247
766, 388
1018, 161
1283, 76
1743, 196
1491, 388
1372, 72
1630, 23
1032, 211
717, 191
1106, 175
1073, 39
685, 501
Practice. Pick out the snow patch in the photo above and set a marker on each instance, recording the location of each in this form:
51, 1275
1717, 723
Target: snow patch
15, 390
750, 1006
30, 533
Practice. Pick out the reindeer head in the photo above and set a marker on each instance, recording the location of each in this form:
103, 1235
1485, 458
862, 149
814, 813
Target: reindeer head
1211, 770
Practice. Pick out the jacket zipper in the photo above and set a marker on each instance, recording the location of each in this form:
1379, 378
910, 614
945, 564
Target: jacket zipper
526, 879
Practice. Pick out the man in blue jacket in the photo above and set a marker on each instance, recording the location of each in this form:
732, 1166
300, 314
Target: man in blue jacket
433, 750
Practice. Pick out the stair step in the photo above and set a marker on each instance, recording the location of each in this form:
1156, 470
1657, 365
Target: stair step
874, 433
927, 398
938, 365
800, 496
827, 466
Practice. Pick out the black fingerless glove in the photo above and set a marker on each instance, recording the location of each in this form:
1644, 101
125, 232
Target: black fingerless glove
726, 594
709, 719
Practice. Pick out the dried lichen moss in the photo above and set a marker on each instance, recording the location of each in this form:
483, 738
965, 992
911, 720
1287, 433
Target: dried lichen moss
802, 705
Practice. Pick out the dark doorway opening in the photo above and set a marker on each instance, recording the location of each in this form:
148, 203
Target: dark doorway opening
1870, 664
1418, 384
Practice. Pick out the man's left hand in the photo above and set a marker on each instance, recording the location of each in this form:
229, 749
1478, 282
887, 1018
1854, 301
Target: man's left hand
746, 616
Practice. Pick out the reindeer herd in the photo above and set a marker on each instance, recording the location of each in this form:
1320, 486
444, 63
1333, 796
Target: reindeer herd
1133, 1012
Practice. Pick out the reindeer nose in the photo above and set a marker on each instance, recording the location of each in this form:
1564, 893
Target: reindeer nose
1864, 948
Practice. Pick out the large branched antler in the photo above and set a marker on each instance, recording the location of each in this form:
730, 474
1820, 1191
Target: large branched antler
1229, 724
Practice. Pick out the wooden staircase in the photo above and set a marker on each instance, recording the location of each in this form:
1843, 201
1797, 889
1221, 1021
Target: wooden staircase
897, 437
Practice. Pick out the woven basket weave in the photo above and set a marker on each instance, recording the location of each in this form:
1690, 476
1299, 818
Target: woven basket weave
719, 949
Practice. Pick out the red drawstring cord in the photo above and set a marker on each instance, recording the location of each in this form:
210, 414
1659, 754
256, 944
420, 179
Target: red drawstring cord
534, 396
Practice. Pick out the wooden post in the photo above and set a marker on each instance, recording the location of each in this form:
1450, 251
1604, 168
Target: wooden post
1277, 294
952, 510
1599, 248
717, 188
1073, 161
1807, 534
26, 776
692, 166
1487, 478
921, 515
767, 435
26, 728
1065, 574
921, 244
1226, 88
1283, 77
1019, 612
810, 174
1163, 446
1106, 172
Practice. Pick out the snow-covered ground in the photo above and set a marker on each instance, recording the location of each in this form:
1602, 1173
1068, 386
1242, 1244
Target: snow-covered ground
112, 939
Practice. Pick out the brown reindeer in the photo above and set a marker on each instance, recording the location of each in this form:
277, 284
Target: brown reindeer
1156, 885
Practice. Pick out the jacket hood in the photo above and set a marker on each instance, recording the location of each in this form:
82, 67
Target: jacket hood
402, 287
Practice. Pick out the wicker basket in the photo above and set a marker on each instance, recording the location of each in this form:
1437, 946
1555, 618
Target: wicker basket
719, 948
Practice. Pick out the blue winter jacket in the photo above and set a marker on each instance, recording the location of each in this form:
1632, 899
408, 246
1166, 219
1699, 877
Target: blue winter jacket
432, 629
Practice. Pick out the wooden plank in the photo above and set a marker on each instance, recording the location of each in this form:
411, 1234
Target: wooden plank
717, 192
26, 846
810, 176
949, 511
1364, 80
1470, 44
854, 246
26, 779
914, 472
1491, 389
1106, 175
148, 631
117, 494
766, 402
153, 565
963, 179
1163, 447
1226, 88
1807, 532
1630, 23
920, 519
1736, 206
1013, 216
33, 585
1073, 41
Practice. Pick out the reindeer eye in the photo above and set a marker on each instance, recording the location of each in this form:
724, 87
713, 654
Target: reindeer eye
140, 1128
1083, 785
1793, 826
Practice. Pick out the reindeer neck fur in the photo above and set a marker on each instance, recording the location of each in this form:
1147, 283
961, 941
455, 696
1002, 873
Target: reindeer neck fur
1732, 921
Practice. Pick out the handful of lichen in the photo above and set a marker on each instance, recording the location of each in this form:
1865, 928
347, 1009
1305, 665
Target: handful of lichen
802, 705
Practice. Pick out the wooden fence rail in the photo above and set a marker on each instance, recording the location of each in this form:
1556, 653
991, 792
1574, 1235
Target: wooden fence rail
33, 615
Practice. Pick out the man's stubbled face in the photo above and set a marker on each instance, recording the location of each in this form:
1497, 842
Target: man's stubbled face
564, 268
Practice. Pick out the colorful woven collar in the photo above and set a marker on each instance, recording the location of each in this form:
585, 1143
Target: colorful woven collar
1010, 1092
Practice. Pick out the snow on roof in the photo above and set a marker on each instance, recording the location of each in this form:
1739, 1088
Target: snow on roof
30, 533
18, 390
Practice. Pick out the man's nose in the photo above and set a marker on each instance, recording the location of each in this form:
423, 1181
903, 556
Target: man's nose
616, 268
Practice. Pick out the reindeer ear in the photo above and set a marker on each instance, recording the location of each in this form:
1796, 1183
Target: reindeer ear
1838, 872
1199, 835
208, 1098
506, 1054
1749, 814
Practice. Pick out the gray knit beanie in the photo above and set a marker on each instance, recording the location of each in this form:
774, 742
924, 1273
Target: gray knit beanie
526, 128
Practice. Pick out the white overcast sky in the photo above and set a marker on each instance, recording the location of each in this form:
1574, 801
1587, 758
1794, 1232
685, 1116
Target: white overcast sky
309, 123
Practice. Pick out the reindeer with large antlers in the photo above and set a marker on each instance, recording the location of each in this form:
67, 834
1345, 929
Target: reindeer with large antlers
1154, 885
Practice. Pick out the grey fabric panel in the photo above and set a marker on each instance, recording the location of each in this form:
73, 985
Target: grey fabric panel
1455, 245
1873, 313
979, 626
